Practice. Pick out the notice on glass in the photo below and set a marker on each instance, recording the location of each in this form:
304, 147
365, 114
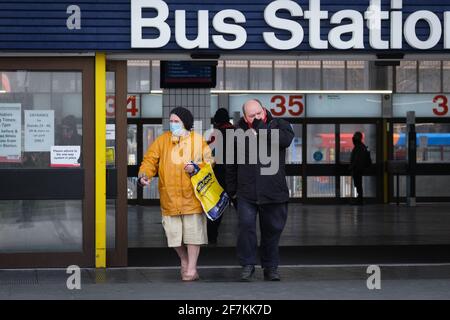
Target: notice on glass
10, 132
39, 130
65, 156
110, 132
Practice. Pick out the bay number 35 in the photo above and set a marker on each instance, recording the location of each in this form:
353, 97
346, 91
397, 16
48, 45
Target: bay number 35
294, 108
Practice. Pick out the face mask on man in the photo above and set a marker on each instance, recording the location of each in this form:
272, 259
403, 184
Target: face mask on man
177, 129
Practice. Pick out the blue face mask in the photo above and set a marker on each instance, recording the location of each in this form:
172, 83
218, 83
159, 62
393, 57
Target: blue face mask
176, 128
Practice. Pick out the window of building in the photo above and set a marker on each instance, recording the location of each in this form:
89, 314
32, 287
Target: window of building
309, 75
333, 73
285, 75
261, 75
406, 76
236, 75
429, 76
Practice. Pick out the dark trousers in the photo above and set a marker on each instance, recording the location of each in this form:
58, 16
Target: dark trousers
213, 229
358, 182
272, 219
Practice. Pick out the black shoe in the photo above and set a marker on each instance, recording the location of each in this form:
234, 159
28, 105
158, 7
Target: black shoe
271, 274
247, 273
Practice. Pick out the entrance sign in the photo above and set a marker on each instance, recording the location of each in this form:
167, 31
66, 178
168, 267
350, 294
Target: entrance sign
10, 132
65, 156
39, 130
424, 105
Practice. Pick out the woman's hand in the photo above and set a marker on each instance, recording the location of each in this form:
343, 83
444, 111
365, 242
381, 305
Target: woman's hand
189, 168
144, 181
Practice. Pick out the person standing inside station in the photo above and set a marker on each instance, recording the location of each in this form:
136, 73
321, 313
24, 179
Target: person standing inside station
221, 123
183, 219
359, 161
257, 193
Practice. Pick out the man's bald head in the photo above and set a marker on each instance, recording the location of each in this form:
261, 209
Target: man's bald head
253, 109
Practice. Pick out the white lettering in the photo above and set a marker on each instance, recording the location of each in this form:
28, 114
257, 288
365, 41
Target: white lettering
435, 29
293, 27
202, 40
315, 15
159, 22
355, 28
73, 22
238, 31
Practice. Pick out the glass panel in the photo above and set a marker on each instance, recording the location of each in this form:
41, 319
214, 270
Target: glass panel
348, 190
429, 76
132, 144
151, 106
156, 73
333, 75
357, 75
41, 226
426, 186
321, 187
220, 83
343, 105
446, 75
150, 133
261, 75
369, 132
309, 73
236, 75
132, 188
110, 223
214, 104
285, 75
321, 144
407, 76
294, 152
151, 191
65, 82
433, 142
295, 186
138, 76
34, 124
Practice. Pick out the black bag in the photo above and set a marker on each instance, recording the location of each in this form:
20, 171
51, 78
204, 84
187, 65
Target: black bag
368, 159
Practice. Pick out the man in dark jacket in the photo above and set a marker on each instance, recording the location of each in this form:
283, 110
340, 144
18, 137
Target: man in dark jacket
358, 163
256, 193
221, 123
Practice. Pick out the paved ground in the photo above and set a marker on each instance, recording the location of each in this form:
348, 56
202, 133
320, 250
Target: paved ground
299, 282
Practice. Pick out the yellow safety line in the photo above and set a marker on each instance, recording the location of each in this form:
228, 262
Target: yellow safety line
100, 160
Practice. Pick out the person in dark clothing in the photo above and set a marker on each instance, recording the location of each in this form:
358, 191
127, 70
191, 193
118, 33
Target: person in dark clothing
358, 163
221, 123
260, 193
69, 134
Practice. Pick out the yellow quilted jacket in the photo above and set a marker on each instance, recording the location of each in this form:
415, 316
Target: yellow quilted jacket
167, 156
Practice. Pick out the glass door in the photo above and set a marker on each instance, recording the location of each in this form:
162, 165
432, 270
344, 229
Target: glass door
47, 162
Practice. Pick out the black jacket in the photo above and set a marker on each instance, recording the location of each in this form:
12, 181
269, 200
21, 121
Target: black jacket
246, 181
221, 169
358, 158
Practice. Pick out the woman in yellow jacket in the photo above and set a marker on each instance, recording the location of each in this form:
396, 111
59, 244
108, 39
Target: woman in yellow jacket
182, 215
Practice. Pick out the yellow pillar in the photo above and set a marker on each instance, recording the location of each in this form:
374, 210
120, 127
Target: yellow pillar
100, 160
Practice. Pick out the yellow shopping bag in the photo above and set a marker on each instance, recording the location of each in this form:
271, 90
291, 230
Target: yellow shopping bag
209, 192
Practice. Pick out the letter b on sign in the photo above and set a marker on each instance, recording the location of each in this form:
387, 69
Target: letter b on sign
374, 281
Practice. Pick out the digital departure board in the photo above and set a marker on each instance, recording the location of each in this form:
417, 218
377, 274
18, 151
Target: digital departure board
188, 74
